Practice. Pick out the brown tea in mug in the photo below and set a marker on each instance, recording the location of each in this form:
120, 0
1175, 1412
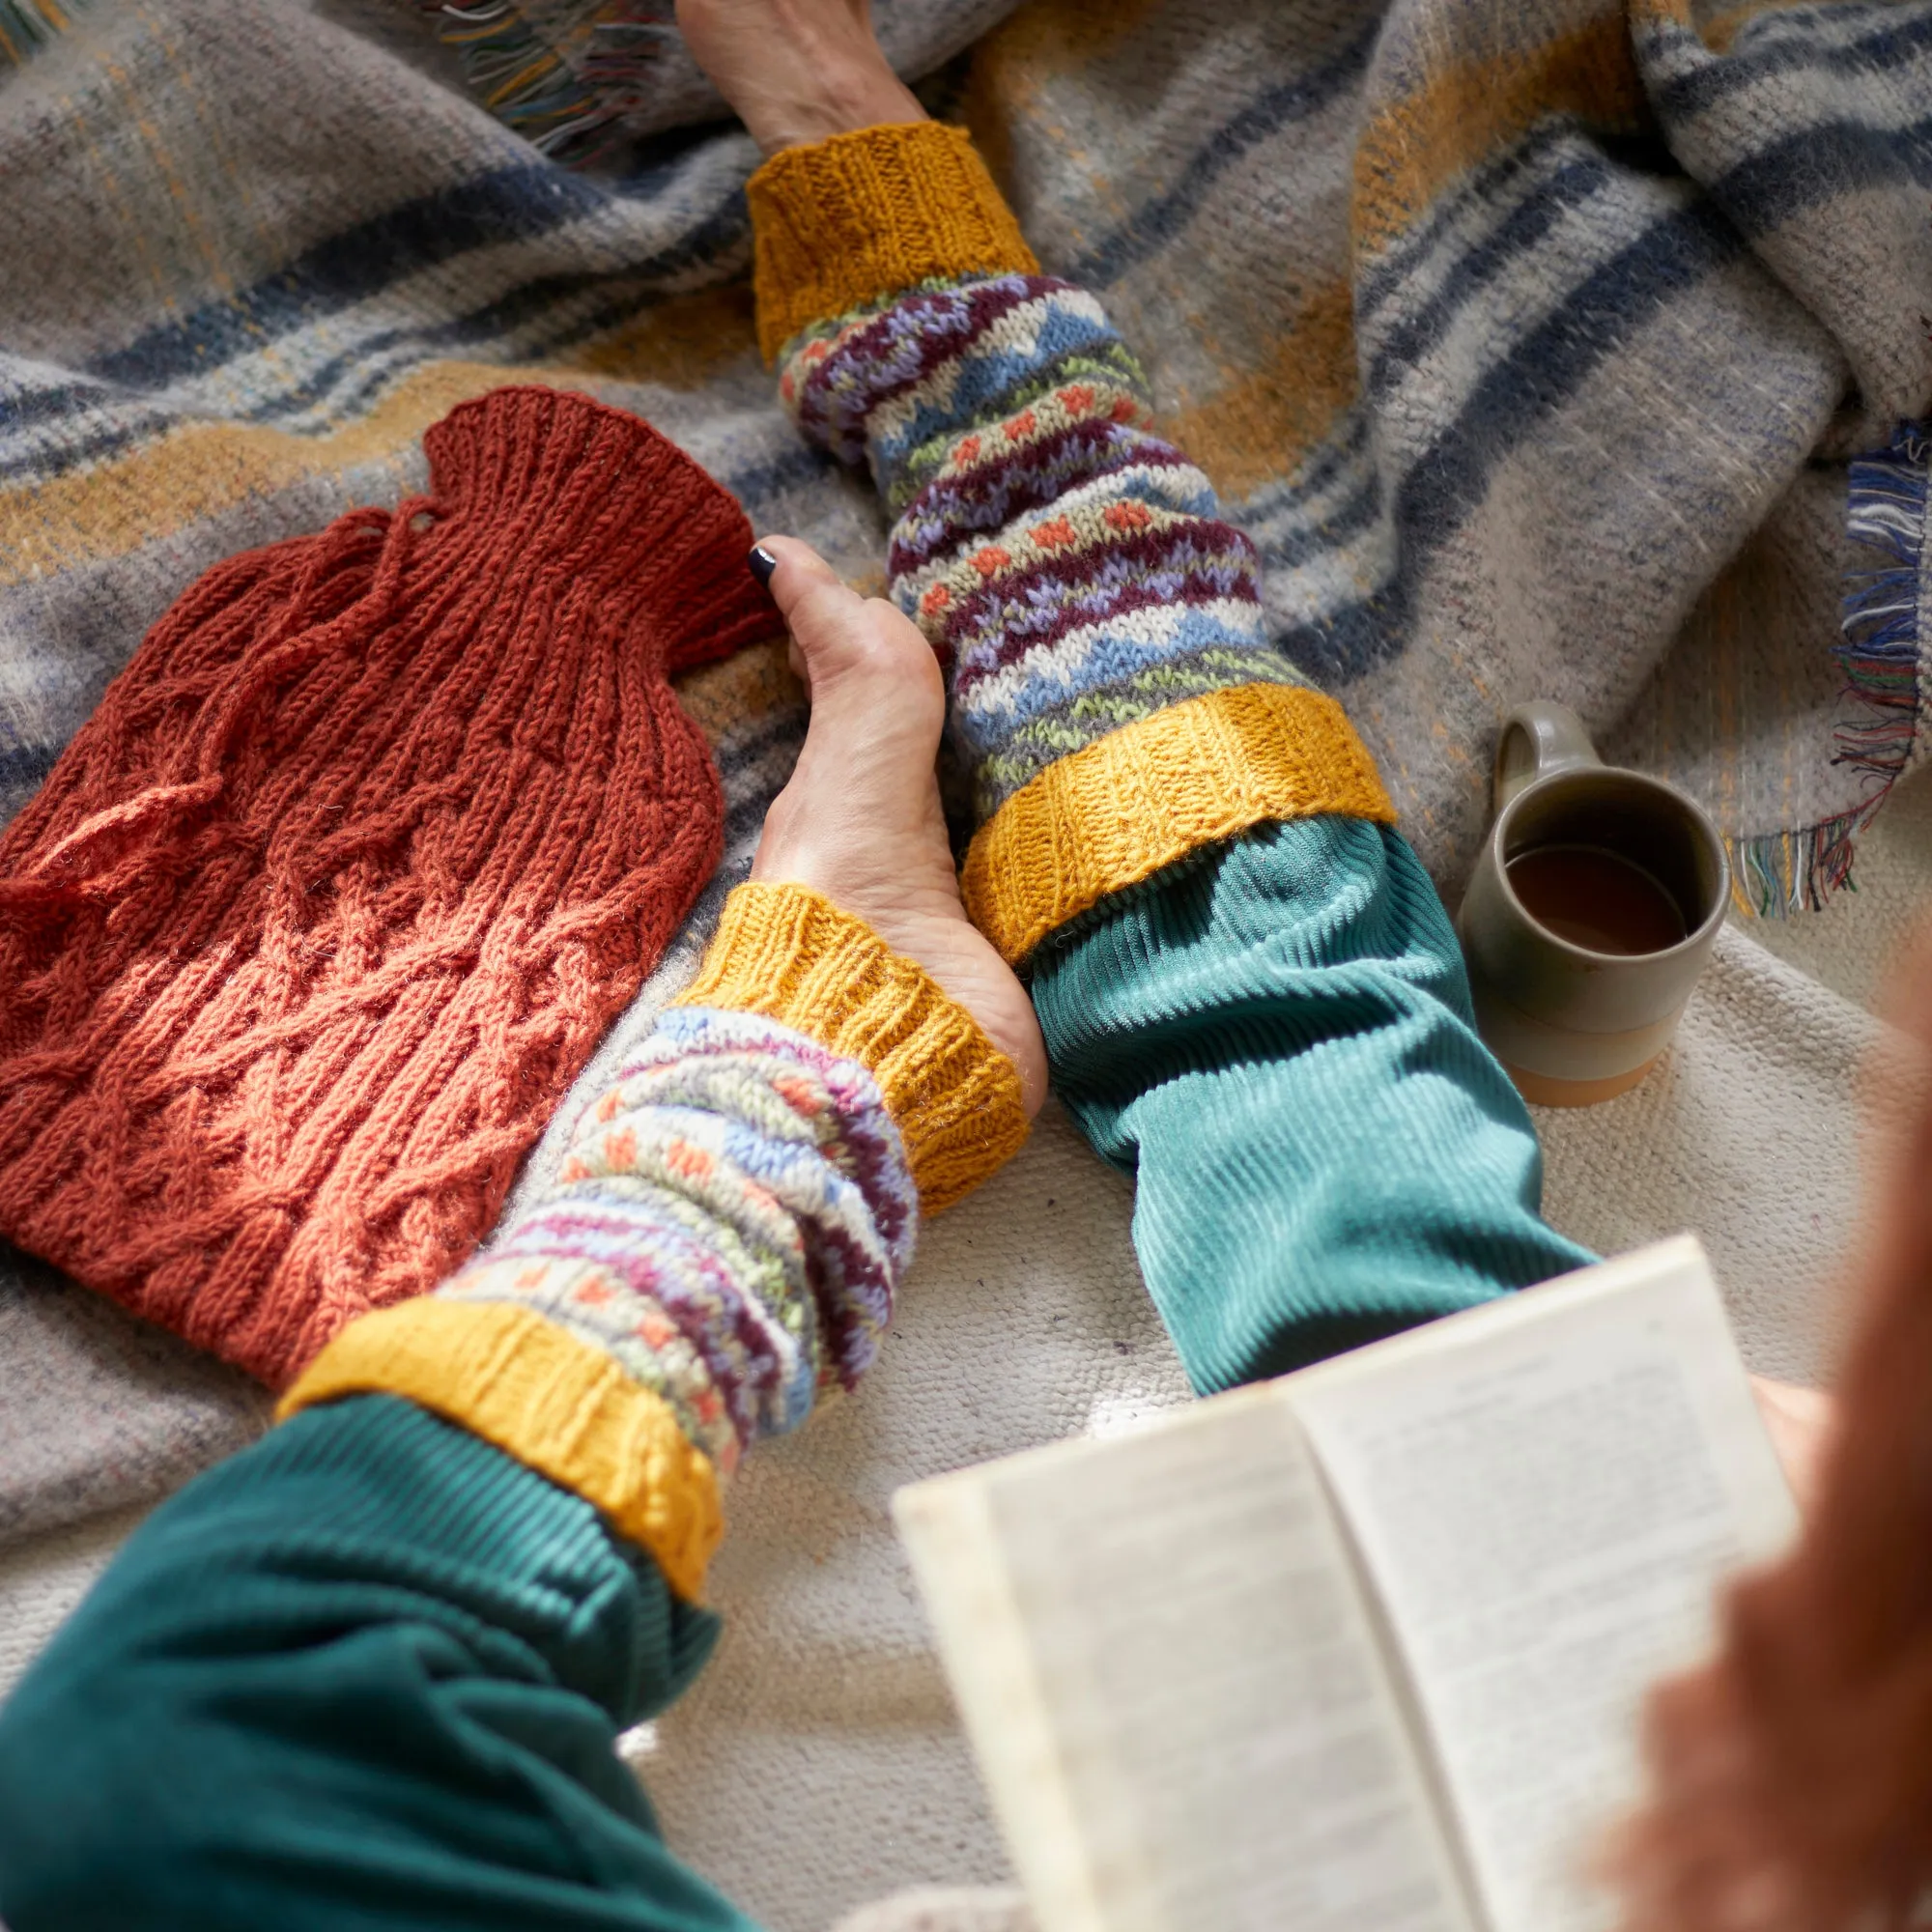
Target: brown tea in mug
1593, 897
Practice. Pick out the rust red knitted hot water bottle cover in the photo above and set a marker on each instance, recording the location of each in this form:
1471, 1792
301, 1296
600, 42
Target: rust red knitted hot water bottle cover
334, 893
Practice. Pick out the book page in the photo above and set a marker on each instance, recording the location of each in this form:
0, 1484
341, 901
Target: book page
1547, 1493
1212, 1741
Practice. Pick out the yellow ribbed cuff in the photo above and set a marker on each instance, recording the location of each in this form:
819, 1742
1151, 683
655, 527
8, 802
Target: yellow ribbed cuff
1117, 810
559, 1406
844, 221
789, 952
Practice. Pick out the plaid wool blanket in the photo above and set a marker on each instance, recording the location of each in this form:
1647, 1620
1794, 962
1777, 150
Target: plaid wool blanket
1555, 348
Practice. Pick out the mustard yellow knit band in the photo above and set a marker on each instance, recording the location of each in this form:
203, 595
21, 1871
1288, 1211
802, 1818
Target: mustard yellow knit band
559, 1406
789, 952
1115, 811
844, 221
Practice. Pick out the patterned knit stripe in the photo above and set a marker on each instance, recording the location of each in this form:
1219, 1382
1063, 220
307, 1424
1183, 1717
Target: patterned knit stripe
1072, 572
597, 1306
789, 952
938, 361
726, 1235
691, 1065
742, 1185
1031, 466
1052, 336
1007, 601
670, 1248
1089, 711
1082, 390
1070, 567
729, 1311
842, 367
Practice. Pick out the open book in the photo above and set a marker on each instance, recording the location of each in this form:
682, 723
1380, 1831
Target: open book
1362, 1649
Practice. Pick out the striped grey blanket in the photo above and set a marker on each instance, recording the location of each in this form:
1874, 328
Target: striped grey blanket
1551, 348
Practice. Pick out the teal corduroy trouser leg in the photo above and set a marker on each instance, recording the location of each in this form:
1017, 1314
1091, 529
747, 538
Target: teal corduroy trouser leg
1275, 1039
367, 1673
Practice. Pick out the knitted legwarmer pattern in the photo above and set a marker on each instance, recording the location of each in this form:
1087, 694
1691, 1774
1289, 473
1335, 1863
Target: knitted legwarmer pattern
334, 895
1115, 695
725, 1240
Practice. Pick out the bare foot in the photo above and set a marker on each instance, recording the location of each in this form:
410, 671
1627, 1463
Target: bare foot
860, 820
796, 70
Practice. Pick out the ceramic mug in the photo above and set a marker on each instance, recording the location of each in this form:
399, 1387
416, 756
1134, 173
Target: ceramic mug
1590, 915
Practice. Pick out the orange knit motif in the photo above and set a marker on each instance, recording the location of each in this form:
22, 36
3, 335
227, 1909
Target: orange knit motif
335, 892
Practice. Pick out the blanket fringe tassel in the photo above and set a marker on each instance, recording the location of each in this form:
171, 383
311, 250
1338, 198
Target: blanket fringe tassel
1783, 872
26, 26
570, 104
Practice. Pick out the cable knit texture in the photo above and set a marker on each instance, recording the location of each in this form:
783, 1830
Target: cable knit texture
332, 896
842, 222
789, 952
1071, 568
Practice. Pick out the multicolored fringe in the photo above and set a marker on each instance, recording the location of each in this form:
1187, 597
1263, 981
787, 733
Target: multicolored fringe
1884, 641
26, 26
564, 73
1774, 875
1883, 657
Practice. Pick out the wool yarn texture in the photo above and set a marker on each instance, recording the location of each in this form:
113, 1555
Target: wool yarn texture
321, 911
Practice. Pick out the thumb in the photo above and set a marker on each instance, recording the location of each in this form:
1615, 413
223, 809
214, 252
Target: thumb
846, 647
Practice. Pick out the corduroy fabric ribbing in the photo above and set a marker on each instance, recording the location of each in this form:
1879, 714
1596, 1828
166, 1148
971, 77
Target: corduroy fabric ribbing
369, 1672
789, 952
1275, 1039
840, 222
326, 904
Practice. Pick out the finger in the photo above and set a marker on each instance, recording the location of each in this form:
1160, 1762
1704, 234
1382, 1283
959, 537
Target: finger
839, 635
791, 569
818, 607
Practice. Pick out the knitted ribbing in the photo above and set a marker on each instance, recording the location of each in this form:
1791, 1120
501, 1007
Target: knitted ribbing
335, 892
1120, 810
562, 1405
840, 222
789, 952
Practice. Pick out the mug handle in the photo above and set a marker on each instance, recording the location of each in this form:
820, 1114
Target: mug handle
1537, 739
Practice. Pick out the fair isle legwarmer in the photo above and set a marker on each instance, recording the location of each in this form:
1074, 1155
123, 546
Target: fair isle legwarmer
726, 1235
319, 914
1114, 693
